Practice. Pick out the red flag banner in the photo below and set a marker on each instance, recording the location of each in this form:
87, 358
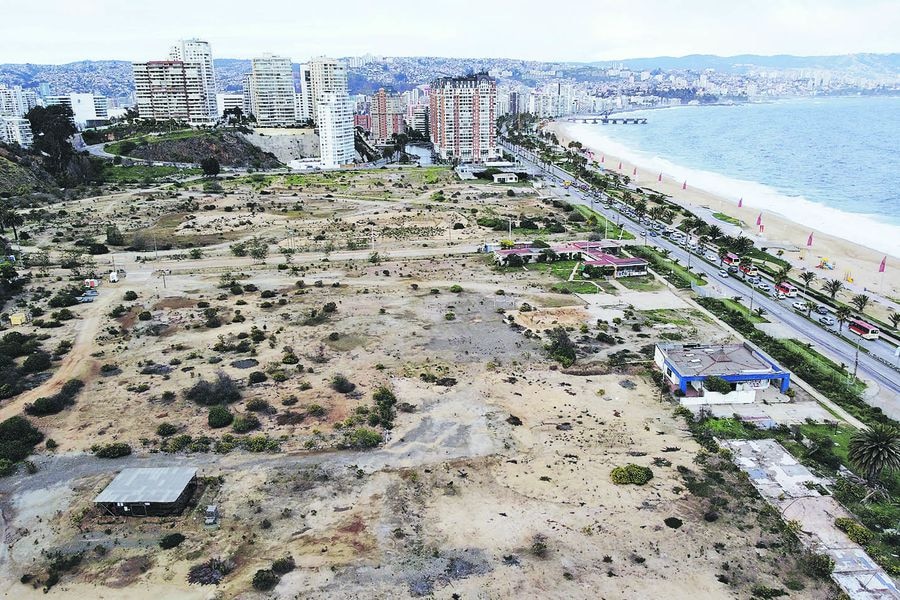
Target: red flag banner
659, 178
740, 203
684, 185
809, 240
882, 265
759, 219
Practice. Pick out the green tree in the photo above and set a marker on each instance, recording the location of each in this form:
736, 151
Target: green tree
843, 314
860, 301
714, 232
875, 450
560, 346
52, 127
832, 287
807, 277
114, 237
894, 318
809, 306
210, 166
782, 275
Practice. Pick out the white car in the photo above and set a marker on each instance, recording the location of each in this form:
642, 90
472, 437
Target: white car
723, 273
801, 306
827, 321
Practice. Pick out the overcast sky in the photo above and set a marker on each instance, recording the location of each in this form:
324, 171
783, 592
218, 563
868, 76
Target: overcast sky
57, 31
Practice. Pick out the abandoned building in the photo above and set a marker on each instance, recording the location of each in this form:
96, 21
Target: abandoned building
149, 492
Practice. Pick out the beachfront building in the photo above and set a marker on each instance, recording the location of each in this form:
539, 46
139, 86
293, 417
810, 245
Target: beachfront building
171, 89
88, 110
273, 100
199, 52
462, 117
336, 132
744, 367
326, 76
386, 117
602, 258
16, 130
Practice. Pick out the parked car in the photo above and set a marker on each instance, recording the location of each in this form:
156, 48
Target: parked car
821, 310
723, 273
653, 233
801, 306
753, 280
827, 321
84, 299
90, 293
732, 269
763, 286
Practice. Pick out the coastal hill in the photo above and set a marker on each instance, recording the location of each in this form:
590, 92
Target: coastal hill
229, 148
114, 77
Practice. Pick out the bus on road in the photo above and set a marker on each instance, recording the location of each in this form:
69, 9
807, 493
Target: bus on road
787, 289
864, 330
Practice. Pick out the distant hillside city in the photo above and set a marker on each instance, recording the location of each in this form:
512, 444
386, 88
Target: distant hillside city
383, 97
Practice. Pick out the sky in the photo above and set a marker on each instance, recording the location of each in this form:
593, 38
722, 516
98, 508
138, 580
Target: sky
59, 31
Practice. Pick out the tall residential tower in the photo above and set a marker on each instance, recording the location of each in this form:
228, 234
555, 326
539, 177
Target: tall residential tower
273, 100
463, 118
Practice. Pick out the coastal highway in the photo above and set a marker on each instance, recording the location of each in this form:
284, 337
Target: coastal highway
880, 371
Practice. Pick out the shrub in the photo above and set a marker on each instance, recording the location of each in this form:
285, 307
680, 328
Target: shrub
560, 347
144, 315
817, 565
7, 467
315, 410
258, 405
171, 541
340, 383
130, 296
631, 473
37, 362
284, 565
456, 288
855, 531
245, 423
166, 429
717, 384
17, 438
264, 580
329, 307
362, 438
113, 450
221, 391
219, 417
257, 377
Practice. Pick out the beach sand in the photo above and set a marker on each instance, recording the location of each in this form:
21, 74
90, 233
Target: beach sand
848, 258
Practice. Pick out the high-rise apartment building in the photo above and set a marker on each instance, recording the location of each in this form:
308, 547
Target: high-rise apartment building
16, 101
171, 89
88, 110
463, 114
273, 100
231, 101
305, 100
326, 76
16, 130
417, 119
198, 52
336, 133
386, 112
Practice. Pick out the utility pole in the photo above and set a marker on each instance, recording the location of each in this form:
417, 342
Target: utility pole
856, 360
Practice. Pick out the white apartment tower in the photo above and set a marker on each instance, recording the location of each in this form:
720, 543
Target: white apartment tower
326, 76
273, 100
305, 102
170, 89
16, 130
88, 110
463, 115
198, 52
16, 101
336, 131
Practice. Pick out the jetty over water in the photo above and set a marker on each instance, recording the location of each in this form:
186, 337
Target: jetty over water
608, 120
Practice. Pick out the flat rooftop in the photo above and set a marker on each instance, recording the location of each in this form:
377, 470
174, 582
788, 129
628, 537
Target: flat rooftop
718, 360
156, 485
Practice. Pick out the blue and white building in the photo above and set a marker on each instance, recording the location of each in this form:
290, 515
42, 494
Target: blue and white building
745, 367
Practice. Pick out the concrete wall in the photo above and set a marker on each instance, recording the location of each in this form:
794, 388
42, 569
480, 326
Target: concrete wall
286, 144
736, 397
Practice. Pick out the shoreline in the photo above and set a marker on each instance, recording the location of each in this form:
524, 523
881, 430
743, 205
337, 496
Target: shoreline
781, 232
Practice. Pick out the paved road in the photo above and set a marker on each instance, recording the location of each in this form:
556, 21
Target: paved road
883, 373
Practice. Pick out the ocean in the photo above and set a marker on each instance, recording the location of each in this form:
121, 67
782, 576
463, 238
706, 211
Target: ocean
830, 163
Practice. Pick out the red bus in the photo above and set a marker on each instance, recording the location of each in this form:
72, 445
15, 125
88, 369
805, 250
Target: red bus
863, 329
731, 259
787, 289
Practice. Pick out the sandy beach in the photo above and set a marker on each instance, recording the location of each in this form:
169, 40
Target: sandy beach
850, 260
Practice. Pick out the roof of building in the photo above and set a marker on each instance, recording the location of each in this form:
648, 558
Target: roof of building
718, 360
159, 485
607, 260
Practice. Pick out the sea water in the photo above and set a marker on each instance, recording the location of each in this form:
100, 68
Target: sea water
832, 164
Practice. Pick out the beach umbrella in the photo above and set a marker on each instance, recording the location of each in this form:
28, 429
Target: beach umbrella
809, 240
740, 202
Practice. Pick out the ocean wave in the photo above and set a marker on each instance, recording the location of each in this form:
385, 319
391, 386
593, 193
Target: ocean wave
860, 228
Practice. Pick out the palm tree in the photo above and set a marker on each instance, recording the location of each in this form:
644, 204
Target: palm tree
875, 450
640, 207
807, 277
742, 245
723, 252
809, 306
782, 275
860, 301
760, 311
894, 318
714, 232
843, 314
832, 287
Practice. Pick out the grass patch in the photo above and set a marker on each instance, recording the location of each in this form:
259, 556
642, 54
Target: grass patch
744, 310
683, 318
144, 173
729, 219
676, 274
600, 223
644, 283
574, 287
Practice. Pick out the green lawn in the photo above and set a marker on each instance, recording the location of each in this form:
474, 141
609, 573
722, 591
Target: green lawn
575, 287
116, 147
729, 219
744, 310
142, 173
678, 275
600, 222
645, 283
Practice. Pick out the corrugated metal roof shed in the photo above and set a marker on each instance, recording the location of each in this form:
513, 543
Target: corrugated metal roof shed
158, 484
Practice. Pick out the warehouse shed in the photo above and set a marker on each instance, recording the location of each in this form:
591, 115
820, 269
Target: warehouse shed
146, 492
